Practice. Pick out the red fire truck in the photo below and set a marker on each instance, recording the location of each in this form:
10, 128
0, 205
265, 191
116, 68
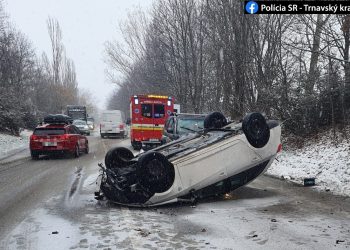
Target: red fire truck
148, 115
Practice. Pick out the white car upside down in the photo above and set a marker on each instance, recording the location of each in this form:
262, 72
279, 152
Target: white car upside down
214, 161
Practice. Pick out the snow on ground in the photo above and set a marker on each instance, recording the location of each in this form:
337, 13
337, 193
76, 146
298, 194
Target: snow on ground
9, 143
324, 158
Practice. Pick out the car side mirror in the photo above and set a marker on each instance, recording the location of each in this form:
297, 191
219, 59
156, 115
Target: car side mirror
170, 130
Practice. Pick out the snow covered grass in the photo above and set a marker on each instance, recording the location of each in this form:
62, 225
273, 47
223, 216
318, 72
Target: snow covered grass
9, 143
325, 158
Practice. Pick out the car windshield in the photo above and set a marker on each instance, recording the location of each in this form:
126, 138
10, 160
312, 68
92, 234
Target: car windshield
79, 123
189, 125
49, 131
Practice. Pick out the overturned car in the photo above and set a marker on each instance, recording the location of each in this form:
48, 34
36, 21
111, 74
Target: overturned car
218, 159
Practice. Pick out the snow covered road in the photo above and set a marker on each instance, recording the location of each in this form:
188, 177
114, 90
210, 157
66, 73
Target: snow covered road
49, 204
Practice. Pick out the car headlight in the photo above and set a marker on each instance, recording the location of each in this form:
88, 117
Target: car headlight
86, 127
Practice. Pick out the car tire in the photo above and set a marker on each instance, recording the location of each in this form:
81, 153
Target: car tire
102, 136
87, 148
256, 129
76, 151
156, 173
215, 120
118, 157
35, 156
136, 145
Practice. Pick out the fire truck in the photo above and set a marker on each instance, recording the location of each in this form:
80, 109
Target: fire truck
148, 114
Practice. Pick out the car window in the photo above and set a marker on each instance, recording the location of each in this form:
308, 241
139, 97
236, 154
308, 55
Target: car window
73, 130
49, 131
146, 110
159, 111
79, 122
111, 117
186, 126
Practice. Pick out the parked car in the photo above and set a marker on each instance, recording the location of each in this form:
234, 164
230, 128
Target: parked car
57, 135
182, 124
82, 126
91, 125
213, 161
113, 123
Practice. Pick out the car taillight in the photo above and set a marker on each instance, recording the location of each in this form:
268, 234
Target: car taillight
279, 149
64, 137
121, 126
33, 138
102, 125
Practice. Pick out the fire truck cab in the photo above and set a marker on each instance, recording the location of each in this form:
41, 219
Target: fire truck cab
148, 114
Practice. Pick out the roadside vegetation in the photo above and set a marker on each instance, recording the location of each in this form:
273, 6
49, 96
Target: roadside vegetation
210, 56
33, 85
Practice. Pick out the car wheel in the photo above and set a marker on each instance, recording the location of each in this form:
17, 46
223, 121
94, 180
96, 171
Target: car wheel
35, 156
256, 129
215, 120
77, 151
87, 148
118, 157
136, 145
102, 136
156, 173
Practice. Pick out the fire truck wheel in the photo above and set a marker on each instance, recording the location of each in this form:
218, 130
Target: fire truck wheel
256, 129
118, 157
136, 145
156, 173
215, 120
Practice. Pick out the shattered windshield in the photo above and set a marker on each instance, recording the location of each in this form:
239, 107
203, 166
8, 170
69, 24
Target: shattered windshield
186, 126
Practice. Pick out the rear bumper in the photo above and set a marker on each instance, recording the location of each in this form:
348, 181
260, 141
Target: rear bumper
115, 132
50, 151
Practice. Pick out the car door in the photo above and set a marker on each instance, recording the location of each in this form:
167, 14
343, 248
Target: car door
146, 120
158, 119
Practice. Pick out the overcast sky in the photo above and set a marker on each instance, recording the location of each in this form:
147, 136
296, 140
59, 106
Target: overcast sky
86, 25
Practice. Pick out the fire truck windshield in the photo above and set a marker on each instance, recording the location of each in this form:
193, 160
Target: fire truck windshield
146, 110
158, 110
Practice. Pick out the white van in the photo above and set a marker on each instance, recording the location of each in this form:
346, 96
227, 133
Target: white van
112, 123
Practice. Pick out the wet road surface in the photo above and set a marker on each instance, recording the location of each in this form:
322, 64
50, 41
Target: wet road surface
49, 204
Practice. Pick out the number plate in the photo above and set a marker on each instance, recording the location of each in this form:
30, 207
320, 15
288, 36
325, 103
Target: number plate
153, 140
49, 143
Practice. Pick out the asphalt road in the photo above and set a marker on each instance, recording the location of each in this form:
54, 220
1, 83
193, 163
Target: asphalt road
49, 204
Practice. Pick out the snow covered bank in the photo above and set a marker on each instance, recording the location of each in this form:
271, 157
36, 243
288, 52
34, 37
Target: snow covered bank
323, 158
10, 143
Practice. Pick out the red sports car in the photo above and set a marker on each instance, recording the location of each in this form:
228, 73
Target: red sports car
57, 135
